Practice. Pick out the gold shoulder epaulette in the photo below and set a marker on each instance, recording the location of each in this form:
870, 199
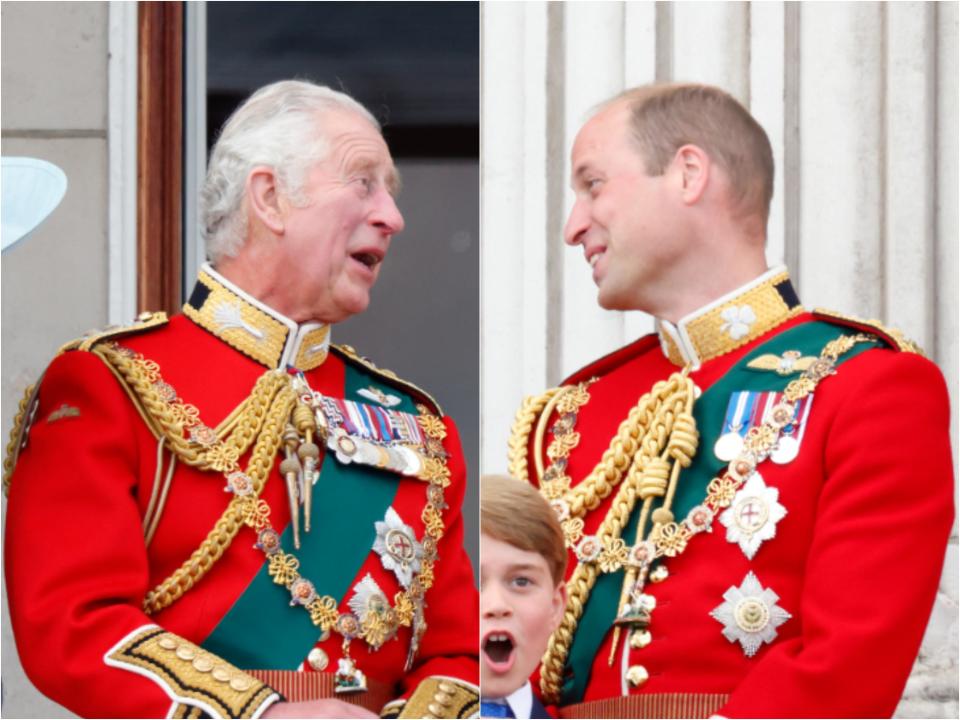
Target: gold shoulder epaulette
349, 353
894, 337
144, 321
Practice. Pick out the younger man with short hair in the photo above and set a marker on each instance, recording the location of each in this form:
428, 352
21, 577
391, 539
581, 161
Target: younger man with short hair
522, 593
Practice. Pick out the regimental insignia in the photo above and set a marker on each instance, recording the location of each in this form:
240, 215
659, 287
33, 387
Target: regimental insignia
790, 362
379, 396
397, 547
64, 411
737, 321
229, 316
750, 614
747, 409
753, 515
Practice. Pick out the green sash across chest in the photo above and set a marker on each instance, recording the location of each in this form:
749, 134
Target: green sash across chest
709, 410
262, 631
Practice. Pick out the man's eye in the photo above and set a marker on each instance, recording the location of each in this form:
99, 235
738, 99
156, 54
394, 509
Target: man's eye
594, 184
522, 582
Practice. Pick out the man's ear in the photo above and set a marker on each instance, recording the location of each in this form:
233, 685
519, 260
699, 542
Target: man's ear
263, 197
558, 604
693, 167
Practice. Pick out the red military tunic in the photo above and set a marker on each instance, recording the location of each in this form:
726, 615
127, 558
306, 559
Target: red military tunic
854, 561
96, 522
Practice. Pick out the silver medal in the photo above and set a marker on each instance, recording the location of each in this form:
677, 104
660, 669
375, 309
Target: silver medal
728, 446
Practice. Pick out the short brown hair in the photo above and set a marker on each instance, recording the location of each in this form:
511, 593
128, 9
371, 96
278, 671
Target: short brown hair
665, 117
513, 512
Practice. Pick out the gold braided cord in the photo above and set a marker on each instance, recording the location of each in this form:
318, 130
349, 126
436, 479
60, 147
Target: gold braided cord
229, 524
658, 429
19, 429
261, 416
531, 408
642, 419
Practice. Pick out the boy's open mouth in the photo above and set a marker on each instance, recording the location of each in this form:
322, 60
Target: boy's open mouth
498, 651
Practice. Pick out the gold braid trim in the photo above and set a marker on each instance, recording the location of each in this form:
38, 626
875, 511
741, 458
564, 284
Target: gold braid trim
517, 445
440, 697
658, 429
18, 433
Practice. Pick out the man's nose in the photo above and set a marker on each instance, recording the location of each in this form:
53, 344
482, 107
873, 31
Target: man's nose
577, 224
386, 215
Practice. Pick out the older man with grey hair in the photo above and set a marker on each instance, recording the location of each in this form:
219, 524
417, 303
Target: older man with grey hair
253, 522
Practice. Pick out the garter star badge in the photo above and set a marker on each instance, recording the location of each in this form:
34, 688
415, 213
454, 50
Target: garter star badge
753, 515
397, 547
750, 614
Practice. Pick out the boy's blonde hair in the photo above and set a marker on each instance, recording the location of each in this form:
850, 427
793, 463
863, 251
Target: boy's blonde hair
513, 512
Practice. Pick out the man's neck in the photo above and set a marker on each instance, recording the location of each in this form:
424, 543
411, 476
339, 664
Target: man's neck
702, 282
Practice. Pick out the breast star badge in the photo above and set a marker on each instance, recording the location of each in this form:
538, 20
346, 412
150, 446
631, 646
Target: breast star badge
750, 614
397, 547
753, 515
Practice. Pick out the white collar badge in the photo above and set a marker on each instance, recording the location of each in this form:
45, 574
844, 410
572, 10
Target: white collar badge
397, 547
750, 614
737, 321
753, 515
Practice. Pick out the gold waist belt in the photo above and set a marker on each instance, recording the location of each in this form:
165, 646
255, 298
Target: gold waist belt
652, 705
300, 686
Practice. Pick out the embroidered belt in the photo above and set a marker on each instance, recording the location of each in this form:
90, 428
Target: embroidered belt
651, 705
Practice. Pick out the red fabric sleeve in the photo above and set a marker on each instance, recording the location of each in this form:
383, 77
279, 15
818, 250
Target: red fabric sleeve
883, 518
76, 564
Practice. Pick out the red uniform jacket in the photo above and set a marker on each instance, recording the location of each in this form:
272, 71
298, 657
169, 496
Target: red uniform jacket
855, 561
78, 567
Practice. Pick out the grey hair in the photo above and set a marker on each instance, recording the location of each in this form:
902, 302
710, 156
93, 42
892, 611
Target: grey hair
277, 126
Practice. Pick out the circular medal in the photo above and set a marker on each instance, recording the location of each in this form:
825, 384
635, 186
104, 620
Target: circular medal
787, 449
728, 446
412, 458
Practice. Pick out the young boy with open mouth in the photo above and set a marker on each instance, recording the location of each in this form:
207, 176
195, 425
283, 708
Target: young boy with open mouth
522, 593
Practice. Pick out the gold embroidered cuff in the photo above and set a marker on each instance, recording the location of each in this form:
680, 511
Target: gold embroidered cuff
190, 675
438, 697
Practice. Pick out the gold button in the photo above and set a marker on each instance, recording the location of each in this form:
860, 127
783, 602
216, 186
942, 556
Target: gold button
221, 674
185, 652
446, 687
442, 698
640, 639
434, 710
318, 659
240, 683
202, 663
167, 643
637, 675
